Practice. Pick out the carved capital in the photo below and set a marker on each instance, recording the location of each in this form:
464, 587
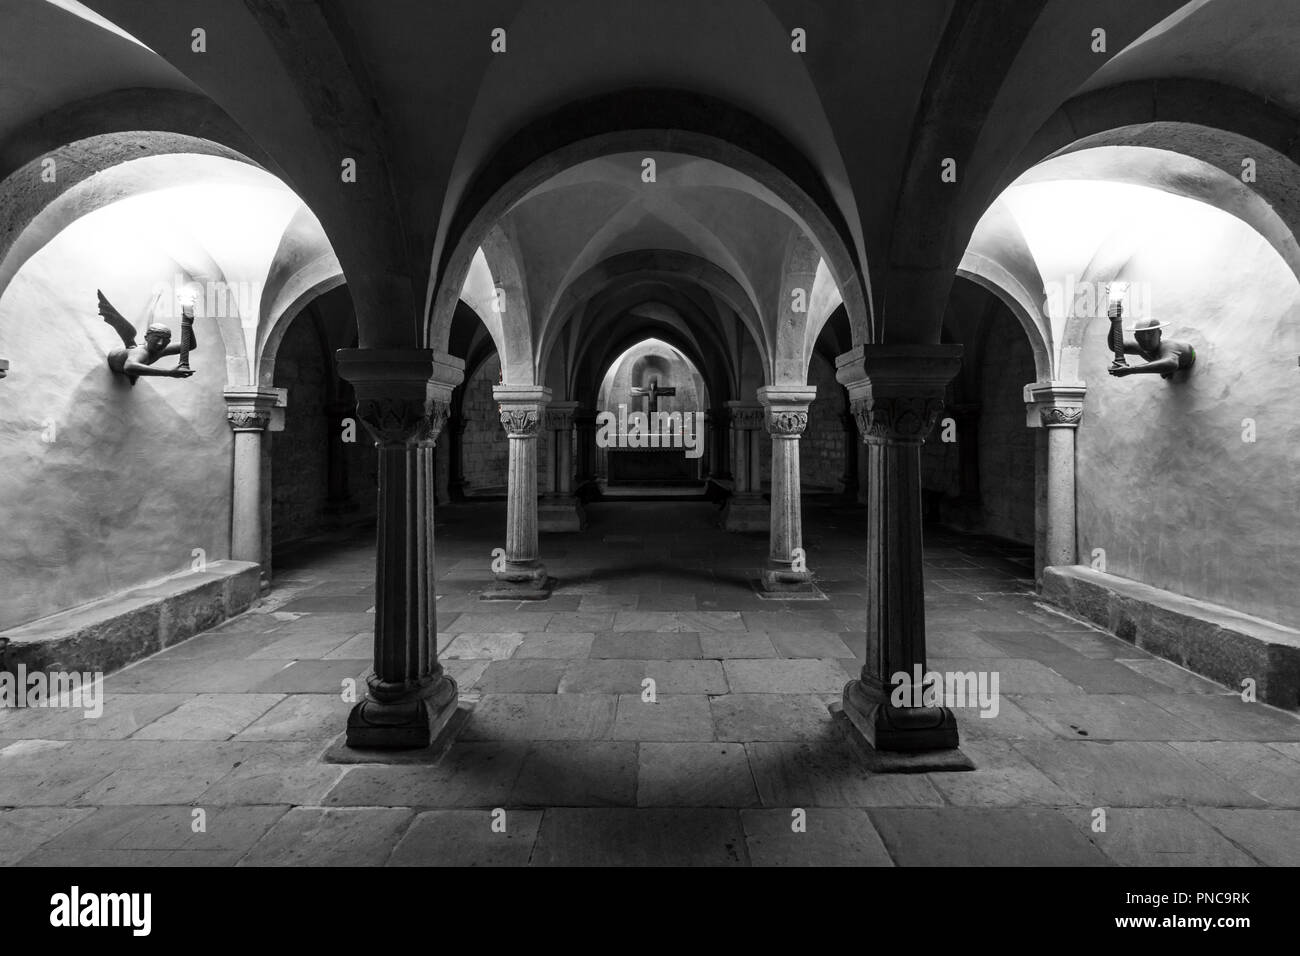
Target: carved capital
521, 421
249, 409
1054, 404
394, 420
896, 419
786, 423
746, 416
4, 367
561, 416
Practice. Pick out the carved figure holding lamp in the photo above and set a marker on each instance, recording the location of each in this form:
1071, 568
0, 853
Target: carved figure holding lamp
1162, 358
134, 360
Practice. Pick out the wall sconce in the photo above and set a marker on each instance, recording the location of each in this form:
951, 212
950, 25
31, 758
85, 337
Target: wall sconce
1163, 358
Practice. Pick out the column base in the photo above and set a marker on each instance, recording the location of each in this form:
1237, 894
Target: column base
561, 513
901, 739
520, 581
746, 512
778, 577
405, 724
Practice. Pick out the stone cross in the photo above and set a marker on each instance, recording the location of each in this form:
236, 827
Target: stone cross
652, 394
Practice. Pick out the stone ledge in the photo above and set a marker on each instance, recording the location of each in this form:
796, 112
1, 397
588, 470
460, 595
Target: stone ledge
110, 633
1209, 639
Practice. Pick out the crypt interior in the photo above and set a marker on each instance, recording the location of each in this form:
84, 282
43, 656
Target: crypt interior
379, 565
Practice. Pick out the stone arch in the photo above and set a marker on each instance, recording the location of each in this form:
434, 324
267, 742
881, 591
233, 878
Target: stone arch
995, 278
663, 121
674, 267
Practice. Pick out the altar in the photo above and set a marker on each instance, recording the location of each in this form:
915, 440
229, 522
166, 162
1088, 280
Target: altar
650, 466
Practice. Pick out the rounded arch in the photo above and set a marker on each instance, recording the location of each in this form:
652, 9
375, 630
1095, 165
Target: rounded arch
653, 121
994, 278
671, 267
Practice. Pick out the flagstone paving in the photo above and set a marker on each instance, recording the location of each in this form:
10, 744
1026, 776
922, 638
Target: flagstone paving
654, 711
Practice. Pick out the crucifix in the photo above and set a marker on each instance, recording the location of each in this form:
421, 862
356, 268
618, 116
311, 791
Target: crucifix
652, 394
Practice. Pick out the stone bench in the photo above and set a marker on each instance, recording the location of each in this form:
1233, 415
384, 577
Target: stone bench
1214, 641
110, 633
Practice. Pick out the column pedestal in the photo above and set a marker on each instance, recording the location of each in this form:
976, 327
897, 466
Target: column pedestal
249, 412
403, 399
785, 419
897, 394
520, 574
745, 510
561, 510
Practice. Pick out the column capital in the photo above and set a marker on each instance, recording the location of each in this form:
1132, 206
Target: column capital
4, 367
560, 416
746, 416
786, 408
1054, 404
248, 407
897, 392
522, 408
403, 395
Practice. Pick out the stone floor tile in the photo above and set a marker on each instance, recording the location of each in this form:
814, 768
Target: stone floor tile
467, 838
534, 676
784, 676
555, 644
755, 717
670, 717
964, 836
1172, 676
1270, 836
1106, 717
498, 622
646, 646
644, 837
603, 677
317, 677
724, 644
483, 645
470, 775
1003, 777
123, 715
127, 828
316, 836
694, 775
1258, 768
541, 717
829, 774
320, 717
813, 644
1159, 837
209, 717
1132, 774
830, 836
1228, 717
200, 676
577, 773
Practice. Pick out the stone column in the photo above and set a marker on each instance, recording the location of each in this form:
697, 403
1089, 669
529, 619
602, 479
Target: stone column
338, 498
745, 509
897, 393
403, 399
561, 510
455, 443
1058, 407
248, 409
584, 422
849, 481
520, 575
722, 443
786, 418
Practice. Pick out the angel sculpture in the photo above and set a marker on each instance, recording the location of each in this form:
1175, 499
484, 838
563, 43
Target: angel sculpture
135, 360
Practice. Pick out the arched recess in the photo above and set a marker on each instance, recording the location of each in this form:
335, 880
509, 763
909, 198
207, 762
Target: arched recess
93, 173
647, 121
992, 276
684, 313
670, 267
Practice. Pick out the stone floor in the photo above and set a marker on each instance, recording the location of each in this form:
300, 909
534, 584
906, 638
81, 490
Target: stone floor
560, 747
